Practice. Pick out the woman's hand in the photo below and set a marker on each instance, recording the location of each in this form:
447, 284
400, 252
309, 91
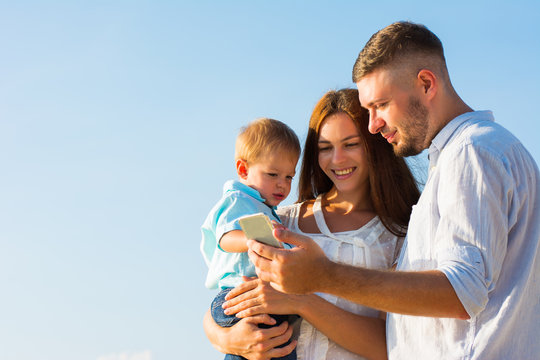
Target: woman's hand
255, 297
246, 339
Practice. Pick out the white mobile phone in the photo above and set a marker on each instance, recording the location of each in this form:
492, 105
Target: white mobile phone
258, 227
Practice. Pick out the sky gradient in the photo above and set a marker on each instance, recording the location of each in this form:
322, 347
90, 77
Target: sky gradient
117, 129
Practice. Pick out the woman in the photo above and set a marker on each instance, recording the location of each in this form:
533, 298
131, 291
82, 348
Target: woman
355, 199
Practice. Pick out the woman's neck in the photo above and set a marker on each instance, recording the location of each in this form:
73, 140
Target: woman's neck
347, 202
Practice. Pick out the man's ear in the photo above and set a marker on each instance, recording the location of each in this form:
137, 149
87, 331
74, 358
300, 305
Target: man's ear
242, 168
429, 83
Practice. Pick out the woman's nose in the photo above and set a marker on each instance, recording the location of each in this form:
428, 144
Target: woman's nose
339, 155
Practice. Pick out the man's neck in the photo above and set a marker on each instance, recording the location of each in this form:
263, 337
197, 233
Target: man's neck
453, 107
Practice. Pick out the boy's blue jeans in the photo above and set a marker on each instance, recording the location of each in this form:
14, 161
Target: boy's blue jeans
229, 320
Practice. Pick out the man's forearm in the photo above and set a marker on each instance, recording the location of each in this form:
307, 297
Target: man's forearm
426, 293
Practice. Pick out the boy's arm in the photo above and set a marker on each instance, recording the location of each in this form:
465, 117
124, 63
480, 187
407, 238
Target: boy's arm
234, 242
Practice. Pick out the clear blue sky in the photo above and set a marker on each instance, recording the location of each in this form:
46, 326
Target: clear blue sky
117, 125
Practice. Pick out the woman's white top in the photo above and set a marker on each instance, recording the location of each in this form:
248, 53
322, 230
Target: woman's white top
371, 246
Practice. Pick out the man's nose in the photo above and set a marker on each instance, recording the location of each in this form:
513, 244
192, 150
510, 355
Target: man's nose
375, 122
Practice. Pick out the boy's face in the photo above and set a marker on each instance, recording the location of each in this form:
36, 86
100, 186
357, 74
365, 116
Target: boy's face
271, 176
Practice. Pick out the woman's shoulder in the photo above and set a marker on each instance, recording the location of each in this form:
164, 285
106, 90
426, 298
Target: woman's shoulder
299, 217
294, 209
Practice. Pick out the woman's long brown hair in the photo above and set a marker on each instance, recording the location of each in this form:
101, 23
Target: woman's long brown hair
393, 188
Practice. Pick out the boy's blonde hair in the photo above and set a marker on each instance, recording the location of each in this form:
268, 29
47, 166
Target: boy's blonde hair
263, 136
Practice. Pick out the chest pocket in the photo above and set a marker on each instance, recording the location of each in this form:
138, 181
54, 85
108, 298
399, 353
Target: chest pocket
418, 253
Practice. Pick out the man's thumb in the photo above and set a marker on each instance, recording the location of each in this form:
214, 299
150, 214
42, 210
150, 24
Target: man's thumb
290, 237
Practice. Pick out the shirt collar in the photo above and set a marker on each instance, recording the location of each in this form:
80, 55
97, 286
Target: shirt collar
235, 185
443, 137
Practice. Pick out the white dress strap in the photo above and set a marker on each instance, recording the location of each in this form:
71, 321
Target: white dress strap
319, 219
360, 254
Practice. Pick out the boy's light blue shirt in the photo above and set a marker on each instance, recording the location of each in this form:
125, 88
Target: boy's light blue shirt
226, 269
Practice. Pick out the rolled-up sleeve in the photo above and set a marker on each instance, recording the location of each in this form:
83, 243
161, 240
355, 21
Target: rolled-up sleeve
465, 269
472, 233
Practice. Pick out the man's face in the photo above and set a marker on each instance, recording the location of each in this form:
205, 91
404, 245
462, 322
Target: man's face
395, 111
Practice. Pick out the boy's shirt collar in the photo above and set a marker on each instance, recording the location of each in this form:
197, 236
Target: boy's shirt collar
235, 185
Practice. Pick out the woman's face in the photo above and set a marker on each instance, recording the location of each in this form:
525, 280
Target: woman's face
342, 156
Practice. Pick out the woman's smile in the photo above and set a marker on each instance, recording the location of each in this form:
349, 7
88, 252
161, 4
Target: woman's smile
343, 173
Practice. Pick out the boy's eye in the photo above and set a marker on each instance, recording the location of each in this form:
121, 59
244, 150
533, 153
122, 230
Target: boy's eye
290, 177
272, 174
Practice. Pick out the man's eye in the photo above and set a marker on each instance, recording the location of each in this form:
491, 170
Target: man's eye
380, 106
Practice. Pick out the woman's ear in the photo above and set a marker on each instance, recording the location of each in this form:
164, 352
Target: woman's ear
242, 168
429, 82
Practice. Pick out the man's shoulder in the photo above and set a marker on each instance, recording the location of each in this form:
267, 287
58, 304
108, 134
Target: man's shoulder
486, 144
484, 135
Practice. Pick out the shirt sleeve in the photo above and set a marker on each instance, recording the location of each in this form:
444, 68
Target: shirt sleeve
471, 237
234, 207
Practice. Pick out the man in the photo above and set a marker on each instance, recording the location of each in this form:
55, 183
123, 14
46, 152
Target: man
467, 284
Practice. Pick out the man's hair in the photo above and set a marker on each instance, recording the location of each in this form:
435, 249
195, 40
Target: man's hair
398, 41
264, 136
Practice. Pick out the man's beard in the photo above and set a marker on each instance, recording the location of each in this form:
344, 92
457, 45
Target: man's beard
413, 130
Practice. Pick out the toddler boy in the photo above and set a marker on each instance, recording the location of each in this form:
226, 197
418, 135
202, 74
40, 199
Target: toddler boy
266, 155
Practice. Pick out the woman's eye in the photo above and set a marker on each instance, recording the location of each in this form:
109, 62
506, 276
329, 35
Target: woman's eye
352, 144
326, 148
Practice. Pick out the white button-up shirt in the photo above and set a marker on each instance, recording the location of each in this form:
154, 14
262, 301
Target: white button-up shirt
477, 221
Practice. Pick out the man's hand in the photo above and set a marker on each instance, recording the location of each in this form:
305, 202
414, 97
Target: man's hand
300, 270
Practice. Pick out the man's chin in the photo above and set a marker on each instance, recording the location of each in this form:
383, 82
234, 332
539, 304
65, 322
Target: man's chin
405, 151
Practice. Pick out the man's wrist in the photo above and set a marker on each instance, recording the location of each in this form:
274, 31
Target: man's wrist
327, 276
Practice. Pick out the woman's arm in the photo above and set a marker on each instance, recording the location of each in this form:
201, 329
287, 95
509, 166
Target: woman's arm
362, 335
247, 340
359, 334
